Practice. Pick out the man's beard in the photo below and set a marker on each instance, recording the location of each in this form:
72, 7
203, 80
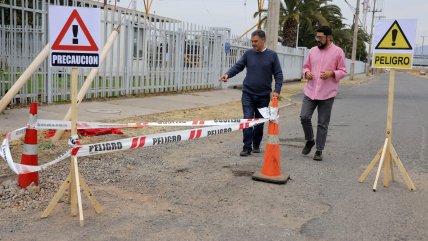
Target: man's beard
320, 45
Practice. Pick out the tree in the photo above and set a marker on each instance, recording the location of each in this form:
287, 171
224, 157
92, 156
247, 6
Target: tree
362, 38
305, 15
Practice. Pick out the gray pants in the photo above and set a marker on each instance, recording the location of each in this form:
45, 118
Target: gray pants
324, 113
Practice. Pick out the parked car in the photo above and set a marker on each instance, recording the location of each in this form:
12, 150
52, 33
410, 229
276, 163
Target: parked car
422, 72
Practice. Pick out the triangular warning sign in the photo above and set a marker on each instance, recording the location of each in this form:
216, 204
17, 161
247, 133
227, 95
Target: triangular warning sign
57, 44
394, 38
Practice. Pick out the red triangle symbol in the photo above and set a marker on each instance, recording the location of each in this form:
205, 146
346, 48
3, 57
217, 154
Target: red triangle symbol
57, 46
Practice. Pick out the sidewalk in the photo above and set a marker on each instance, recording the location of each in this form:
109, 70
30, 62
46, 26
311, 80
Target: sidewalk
121, 108
136, 106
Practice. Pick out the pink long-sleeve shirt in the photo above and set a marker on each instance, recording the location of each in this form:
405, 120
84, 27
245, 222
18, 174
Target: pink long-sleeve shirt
331, 58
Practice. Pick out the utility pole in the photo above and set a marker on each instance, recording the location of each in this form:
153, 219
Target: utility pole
423, 41
366, 9
371, 40
272, 24
354, 41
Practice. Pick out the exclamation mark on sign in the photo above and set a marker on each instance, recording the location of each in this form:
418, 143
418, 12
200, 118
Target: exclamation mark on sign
75, 30
394, 36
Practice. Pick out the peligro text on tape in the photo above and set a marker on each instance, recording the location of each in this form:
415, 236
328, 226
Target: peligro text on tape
162, 138
121, 144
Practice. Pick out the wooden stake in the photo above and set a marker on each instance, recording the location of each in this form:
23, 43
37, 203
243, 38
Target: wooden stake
392, 166
371, 165
91, 197
403, 171
79, 198
72, 198
380, 164
388, 152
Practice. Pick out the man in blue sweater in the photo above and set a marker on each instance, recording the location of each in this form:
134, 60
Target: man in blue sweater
261, 64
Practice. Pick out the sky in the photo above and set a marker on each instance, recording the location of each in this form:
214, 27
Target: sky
238, 14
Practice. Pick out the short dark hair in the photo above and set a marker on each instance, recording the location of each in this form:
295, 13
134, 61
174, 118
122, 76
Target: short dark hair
325, 29
259, 33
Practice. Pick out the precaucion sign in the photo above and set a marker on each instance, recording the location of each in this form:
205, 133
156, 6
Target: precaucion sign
74, 37
393, 43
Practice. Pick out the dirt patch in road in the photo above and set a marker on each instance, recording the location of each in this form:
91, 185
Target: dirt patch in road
198, 190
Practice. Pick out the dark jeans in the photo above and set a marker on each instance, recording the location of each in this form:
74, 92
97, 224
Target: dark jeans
324, 113
253, 136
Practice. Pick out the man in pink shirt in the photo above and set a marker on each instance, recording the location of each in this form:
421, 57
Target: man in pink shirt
324, 67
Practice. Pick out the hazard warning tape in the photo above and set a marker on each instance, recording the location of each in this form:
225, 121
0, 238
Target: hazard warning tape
42, 124
22, 169
216, 127
127, 143
160, 139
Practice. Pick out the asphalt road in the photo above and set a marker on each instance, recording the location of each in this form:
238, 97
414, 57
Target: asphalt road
357, 131
202, 190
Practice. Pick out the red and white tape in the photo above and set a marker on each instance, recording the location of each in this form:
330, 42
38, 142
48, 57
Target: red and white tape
162, 138
22, 169
66, 125
221, 127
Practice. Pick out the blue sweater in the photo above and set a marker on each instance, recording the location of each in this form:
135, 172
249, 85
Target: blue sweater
260, 68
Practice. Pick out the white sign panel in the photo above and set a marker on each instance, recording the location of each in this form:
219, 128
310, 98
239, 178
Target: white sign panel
394, 43
74, 36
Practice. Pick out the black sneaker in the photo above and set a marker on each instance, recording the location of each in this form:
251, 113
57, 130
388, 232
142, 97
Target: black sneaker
308, 147
318, 156
256, 149
245, 152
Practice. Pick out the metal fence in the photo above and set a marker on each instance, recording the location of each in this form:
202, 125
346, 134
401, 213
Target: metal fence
152, 54
291, 60
420, 60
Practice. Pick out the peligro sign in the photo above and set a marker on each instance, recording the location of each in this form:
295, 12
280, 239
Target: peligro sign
396, 60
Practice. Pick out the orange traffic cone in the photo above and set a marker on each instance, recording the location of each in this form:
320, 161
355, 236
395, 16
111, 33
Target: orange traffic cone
271, 169
29, 152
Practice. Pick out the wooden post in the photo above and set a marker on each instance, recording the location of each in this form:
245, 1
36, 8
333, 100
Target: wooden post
75, 171
74, 180
388, 153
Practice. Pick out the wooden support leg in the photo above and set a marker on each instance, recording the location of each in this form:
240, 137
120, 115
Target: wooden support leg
386, 168
72, 191
79, 197
392, 169
57, 197
67, 185
91, 197
380, 164
370, 166
402, 170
